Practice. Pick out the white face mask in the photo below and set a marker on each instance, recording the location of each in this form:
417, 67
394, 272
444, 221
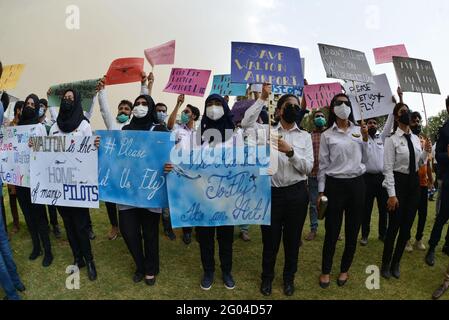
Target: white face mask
140, 111
343, 112
215, 112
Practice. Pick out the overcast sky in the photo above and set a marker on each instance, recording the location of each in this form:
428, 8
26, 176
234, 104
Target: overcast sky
35, 33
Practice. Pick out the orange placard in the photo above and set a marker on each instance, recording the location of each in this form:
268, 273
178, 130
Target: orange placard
125, 70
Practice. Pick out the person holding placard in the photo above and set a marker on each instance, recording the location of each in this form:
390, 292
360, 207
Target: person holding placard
402, 157
294, 151
343, 155
72, 122
35, 214
140, 226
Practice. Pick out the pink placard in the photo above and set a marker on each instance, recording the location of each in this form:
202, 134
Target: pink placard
163, 54
386, 54
191, 82
320, 95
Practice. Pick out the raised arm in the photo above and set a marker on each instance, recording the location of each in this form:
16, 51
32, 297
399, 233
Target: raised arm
253, 112
88, 114
143, 85
388, 128
105, 111
172, 119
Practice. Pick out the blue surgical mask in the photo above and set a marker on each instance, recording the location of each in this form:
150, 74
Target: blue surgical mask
122, 118
185, 118
41, 112
320, 122
161, 116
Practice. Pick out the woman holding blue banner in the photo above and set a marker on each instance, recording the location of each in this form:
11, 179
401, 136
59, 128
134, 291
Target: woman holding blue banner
72, 122
35, 214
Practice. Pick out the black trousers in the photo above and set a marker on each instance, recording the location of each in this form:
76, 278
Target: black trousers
422, 212
111, 208
401, 221
441, 219
288, 214
375, 190
76, 224
166, 223
225, 237
53, 214
346, 196
36, 220
140, 230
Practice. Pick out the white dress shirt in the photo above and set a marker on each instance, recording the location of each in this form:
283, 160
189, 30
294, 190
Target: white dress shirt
342, 154
289, 171
397, 158
83, 129
375, 152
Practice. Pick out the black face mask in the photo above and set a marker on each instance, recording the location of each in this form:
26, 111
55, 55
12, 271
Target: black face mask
372, 131
416, 130
290, 114
66, 105
405, 118
28, 112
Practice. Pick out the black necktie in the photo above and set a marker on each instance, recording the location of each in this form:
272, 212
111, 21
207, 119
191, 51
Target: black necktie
411, 150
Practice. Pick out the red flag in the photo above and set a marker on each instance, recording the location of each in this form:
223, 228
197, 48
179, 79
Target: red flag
125, 70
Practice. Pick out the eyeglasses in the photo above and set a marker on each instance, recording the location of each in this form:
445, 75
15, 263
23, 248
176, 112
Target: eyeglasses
339, 103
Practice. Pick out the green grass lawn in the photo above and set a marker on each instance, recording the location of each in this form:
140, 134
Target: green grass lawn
181, 270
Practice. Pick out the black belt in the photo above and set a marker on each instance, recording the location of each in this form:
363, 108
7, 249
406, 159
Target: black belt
293, 186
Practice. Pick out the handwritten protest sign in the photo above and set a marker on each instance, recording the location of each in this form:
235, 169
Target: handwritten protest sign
321, 95
375, 100
10, 76
345, 64
416, 75
264, 63
191, 82
297, 91
125, 70
222, 85
163, 54
132, 167
15, 154
86, 88
64, 171
221, 190
386, 54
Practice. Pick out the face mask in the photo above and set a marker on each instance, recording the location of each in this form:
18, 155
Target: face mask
372, 131
161, 116
215, 112
290, 114
416, 130
140, 111
66, 105
41, 112
320, 122
122, 118
28, 112
405, 118
342, 112
185, 118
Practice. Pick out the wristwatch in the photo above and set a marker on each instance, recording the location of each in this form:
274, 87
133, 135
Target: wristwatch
291, 153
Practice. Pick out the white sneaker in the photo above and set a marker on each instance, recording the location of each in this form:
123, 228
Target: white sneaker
419, 245
409, 247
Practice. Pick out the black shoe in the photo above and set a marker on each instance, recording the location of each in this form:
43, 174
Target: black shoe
228, 281
364, 242
341, 283
395, 271
35, 254
150, 282
446, 250
430, 257
48, 259
92, 235
289, 289
324, 285
170, 234
207, 281
80, 263
20, 288
57, 231
187, 238
138, 277
265, 287
385, 272
91, 271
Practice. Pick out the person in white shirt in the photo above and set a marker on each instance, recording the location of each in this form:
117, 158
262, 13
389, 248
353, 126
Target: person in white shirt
294, 152
72, 122
402, 158
35, 214
343, 156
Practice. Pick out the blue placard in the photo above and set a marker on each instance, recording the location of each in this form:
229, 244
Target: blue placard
222, 85
263, 63
282, 90
131, 167
221, 193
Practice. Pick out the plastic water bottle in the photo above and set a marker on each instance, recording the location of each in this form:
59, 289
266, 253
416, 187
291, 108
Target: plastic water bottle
323, 207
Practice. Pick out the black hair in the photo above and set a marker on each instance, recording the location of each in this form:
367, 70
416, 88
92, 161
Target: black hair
162, 105
416, 115
18, 106
44, 102
5, 100
396, 109
332, 116
126, 102
195, 111
1, 68
284, 98
447, 102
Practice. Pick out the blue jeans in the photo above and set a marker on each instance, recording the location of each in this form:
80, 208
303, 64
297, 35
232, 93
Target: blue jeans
9, 279
313, 195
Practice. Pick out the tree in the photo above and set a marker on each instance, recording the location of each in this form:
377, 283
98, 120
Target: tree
435, 123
